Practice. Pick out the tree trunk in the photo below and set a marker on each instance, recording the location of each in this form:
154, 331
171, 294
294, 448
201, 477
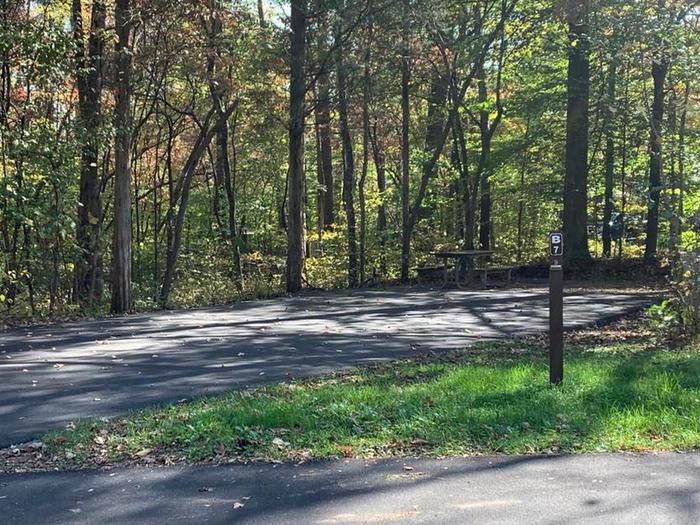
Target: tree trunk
576, 178
322, 115
89, 80
365, 156
609, 163
460, 162
379, 164
206, 134
659, 71
521, 196
261, 14
121, 256
223, 160
406, 229
682, 129
623, 160
325, 150
482, 172
320, 182
348, 160
224, 168
297, 90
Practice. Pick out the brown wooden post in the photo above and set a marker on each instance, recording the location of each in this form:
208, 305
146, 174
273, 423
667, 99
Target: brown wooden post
556, 310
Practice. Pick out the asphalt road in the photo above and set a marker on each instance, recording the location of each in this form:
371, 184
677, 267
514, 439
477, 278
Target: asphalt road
605, 489
53, 375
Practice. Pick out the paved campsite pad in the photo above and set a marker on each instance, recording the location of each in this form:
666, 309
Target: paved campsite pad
603, 489
50, 376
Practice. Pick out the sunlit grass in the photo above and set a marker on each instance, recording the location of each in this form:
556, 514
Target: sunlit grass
484, 402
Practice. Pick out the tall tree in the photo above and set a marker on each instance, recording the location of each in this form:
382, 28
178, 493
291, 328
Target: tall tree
217, 92
261, 14
322, 113
659, 71
380, 167
578, 88
121, 254
487, 129
348, 153
295, 177
366, 87
609, 160
89, 80
406, 229
211, 126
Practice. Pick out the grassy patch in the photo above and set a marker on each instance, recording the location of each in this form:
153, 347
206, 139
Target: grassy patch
491, 400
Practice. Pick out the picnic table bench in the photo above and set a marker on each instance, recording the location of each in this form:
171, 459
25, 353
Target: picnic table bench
464, 268
464, 261
429, 273
506, 271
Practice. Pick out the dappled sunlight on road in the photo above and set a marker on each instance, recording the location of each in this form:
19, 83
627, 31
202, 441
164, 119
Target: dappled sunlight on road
52, 375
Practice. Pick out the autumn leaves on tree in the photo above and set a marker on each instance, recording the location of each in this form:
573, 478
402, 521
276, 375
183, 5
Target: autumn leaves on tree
162, 153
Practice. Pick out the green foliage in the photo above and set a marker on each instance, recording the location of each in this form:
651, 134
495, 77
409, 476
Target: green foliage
179, 61
680, 315
665, 318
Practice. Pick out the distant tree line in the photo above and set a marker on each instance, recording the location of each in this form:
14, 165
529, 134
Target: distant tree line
160, 153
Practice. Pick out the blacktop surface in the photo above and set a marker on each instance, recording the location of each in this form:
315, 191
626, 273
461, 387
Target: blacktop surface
52, 375
598, 489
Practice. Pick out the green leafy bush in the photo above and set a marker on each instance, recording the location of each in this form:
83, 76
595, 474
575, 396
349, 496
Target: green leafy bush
679, 316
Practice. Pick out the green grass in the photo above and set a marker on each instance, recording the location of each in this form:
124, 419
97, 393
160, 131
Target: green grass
493, 400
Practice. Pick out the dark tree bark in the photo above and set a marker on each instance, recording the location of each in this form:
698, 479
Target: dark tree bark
659, 70
182, 193
365, 155
487, 129
297, 91
460, 161
322, 117
677, 174
406, 229
624, 125
348, 160
89, 80
673, 183
576, 178
261, 14
682, 130
609, 162
230, 187
121, 255
320, 182
380, 166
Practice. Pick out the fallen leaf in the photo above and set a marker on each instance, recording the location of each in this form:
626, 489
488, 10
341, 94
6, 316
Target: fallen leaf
280, 443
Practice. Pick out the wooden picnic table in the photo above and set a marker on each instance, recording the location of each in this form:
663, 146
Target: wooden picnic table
464, 261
